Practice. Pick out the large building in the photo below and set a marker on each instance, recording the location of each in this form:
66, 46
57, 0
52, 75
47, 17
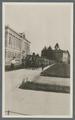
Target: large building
16, 45
62, 55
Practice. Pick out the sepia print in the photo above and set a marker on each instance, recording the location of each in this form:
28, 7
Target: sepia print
37, 59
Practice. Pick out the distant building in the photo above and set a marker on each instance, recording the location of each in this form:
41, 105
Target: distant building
16, 45
62, 56
66, 57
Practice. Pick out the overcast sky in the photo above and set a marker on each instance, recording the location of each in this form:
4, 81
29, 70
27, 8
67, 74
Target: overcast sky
43, 24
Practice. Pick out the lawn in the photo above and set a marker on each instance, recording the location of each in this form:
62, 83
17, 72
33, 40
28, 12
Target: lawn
58, 70
44, 87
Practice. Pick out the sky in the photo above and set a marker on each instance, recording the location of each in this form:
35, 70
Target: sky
43, 24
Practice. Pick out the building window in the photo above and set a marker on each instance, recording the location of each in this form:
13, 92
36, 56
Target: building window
9, 40
19, 44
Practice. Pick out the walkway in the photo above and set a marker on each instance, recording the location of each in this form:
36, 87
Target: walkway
32, 102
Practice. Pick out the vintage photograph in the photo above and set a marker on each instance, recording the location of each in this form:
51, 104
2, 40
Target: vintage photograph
37, 60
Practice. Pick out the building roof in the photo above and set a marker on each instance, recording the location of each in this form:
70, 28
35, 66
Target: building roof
64, 51
8, 27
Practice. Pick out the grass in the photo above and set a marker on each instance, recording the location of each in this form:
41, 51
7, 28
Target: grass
58, 70
44, 87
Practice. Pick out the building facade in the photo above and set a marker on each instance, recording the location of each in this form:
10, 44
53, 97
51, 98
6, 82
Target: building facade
62, 56
16, 45
66, 57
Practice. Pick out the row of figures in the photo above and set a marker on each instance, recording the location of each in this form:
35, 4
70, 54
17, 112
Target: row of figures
28, 63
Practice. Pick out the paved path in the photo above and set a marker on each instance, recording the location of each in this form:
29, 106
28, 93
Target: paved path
33, 102
49, 66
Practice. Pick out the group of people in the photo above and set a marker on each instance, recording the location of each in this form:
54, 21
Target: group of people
13, 62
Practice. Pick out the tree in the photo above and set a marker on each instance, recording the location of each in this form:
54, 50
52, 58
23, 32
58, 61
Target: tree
49, 48
44, 52
57, 46
33, 54
37, 55
49, 52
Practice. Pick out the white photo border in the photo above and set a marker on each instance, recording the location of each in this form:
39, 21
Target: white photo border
3, 65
